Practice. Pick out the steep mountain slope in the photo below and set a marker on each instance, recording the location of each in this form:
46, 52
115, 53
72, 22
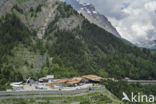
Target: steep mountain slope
69, 45
88, 10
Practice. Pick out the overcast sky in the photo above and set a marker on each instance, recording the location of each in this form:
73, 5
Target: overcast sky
135, 20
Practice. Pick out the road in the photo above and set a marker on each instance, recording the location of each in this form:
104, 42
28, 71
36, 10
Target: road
38, 94
139, 81
4, 93
142, 81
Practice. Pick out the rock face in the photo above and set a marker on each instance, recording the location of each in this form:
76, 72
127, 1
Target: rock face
6, 6
38, 20
89, 11
47, 14
56, 39
1, 2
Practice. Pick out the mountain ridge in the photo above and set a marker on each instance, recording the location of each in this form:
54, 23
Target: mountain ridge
89, 11
70, 46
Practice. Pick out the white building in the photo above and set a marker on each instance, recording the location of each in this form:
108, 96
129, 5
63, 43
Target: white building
46, 79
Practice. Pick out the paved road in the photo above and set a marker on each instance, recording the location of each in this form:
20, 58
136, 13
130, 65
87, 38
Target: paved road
139, 81
142, 81
4, 93
24, 95
38, 96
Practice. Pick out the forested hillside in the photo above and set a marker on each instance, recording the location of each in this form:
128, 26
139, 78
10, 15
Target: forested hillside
12, 33
89, 49
117, 88
68, 49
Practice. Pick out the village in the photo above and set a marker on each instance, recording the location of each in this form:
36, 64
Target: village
49, 83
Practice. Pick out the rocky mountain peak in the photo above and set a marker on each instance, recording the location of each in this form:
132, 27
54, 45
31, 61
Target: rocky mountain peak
88, 10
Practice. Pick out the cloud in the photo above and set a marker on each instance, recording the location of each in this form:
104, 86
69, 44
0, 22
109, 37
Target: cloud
151, 34
134, 19
106, 7
151, 6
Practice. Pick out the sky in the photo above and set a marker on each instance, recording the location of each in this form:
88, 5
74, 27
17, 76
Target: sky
135, 20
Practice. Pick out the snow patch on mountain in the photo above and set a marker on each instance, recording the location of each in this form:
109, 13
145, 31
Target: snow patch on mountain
89, 11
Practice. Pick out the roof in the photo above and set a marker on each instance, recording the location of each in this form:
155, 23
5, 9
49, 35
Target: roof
43, 78
50, 76
73, 81
59, 81
47, 77
77, 78
62, 80
93, 77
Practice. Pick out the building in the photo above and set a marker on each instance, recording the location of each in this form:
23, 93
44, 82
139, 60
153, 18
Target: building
59, 83
48, 78
92, 79
75, 81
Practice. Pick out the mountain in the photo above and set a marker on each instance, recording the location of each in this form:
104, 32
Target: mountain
39, 38
89, 11
148, 44
2, 2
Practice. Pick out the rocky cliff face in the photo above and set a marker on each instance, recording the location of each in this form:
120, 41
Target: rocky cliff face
89, 11
42, 18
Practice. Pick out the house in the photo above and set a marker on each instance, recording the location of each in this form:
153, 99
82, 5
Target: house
46, 79
50, 78
43, 80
